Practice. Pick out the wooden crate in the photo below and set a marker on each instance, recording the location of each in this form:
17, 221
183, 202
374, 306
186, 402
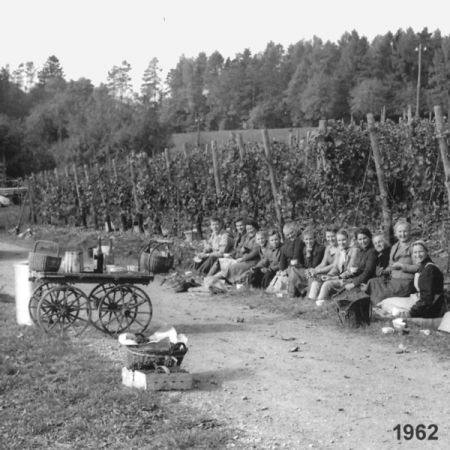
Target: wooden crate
152, 381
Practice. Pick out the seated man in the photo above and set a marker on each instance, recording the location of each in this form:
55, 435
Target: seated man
239, 237
219, 242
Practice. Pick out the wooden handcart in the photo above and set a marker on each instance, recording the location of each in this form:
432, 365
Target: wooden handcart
114, 305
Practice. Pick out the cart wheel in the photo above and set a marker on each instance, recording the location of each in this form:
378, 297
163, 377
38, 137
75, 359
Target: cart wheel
95, 298
125, 307
64, 309
36, 296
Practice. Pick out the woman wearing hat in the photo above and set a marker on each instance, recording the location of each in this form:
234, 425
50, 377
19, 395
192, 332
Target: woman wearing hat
401, 268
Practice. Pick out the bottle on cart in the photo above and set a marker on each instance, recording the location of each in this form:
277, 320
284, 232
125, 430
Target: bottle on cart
100, 257
110, 259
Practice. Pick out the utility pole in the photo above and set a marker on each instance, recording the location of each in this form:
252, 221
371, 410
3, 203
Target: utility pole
418, 80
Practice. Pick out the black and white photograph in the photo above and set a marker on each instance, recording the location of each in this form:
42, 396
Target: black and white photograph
224, 225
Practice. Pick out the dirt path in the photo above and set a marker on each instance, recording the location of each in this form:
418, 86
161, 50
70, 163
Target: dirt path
340, 390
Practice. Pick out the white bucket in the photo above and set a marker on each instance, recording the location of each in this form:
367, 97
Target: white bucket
24, 290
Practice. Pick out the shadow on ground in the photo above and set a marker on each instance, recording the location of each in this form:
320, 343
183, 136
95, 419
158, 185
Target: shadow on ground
6, 298
16, 254
213, 379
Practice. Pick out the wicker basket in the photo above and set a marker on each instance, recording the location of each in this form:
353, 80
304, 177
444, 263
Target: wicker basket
140, 357
156, 257
43, 262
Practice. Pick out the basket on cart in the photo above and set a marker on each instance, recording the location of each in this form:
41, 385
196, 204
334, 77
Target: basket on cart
149, 356
156, 257
43, 262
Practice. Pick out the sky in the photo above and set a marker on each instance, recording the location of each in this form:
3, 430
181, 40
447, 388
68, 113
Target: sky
89, 37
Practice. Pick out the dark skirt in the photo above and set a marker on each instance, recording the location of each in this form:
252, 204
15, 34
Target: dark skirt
259, 279
298, 281
380, 288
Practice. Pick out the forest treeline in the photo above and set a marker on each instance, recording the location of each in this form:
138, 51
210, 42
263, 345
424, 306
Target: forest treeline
47, 120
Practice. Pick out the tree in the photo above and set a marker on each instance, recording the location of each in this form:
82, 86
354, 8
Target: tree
52, 71
151, 82
369, 96
119, 81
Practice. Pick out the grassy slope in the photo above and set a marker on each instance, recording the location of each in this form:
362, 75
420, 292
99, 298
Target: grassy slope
60, 394
221, 137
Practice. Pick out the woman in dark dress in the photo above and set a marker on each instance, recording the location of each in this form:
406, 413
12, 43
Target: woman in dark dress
366, 261
429, 283
383, 250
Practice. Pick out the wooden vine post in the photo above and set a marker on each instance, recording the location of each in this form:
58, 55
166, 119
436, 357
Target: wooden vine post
240, 143
386, 211
138, 222
215, 161
102, 184
167, 159
443, 149
113, 161
81, 207
30, 183
93, 209
185, 150
273, 180
322, 144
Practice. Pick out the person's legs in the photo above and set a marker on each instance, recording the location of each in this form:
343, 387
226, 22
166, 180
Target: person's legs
314, 289
327, 289
255, 277
207, 264
267, 278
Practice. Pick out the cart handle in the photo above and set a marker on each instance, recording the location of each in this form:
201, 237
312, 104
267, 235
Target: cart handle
49, 245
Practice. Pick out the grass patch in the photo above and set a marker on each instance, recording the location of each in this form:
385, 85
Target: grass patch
61, 394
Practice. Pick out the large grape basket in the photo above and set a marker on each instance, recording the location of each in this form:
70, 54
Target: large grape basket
114, 305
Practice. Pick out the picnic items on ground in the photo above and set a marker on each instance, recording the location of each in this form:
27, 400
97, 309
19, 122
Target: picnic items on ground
353, 307
40, 260
279, 283
163, 351
156, 256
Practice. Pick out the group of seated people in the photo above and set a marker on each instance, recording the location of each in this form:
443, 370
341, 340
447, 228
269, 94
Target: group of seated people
401, 276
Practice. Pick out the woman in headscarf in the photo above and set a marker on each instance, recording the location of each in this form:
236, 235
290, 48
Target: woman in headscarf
401, 268
428, 301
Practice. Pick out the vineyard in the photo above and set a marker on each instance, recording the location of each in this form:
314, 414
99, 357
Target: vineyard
328, 176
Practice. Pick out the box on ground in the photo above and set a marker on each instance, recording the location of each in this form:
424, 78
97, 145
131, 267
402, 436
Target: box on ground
179, 380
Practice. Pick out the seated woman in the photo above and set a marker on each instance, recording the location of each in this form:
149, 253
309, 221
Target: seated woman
344, 266
365, 263
300, 274
219, 242
250, 252
263, 272
428, 301
238, 271
401, 268
247, 243
383, 250
327, 261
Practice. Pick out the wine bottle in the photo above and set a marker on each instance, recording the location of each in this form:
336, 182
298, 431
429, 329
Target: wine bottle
99, 257
110, 252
